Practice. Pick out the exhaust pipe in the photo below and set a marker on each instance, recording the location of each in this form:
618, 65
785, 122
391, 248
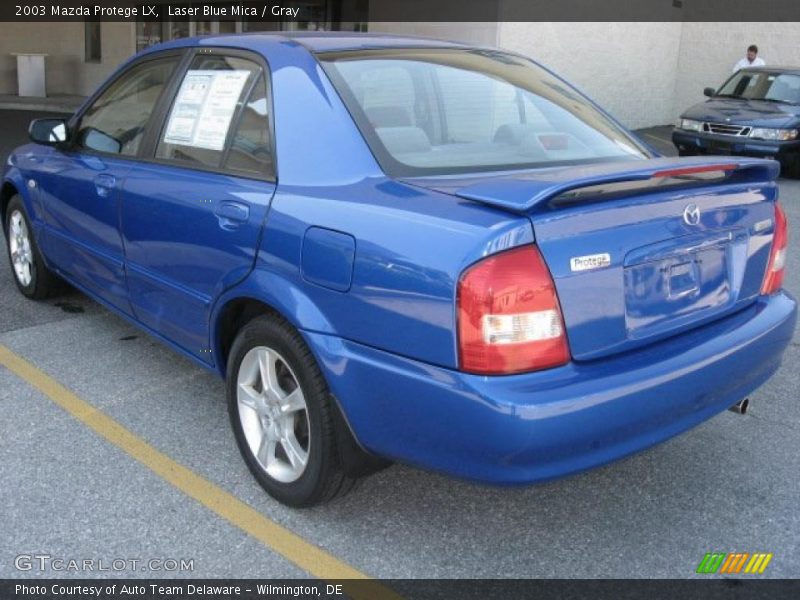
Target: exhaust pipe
741, 406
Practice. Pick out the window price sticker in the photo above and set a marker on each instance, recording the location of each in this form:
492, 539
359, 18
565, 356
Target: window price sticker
204, 107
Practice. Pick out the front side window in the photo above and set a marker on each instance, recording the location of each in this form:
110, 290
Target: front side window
115, 122
761, 85
219, 117
434, 111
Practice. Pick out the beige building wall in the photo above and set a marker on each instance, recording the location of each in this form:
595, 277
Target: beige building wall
484, 34
66, 71
628, 68
643, 73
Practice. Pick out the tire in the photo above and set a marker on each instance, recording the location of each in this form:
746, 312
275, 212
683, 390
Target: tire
31, 275
274, 433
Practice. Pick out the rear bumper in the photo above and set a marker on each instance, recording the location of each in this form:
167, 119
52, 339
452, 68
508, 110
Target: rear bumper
536, 426
705, 143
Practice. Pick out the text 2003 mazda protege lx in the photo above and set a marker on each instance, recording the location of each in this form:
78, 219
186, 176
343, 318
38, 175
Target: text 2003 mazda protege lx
400, 249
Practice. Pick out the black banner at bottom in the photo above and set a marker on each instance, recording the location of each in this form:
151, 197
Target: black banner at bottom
396, 589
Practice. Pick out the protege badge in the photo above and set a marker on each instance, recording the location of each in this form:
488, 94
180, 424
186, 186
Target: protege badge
590, 261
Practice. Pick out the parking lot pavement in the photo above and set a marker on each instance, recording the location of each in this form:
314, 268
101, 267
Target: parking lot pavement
728, 485
659, 138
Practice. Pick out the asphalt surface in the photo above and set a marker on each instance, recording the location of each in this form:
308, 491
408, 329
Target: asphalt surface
729, 485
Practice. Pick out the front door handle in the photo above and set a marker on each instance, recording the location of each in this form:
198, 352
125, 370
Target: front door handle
104, 183
232, 214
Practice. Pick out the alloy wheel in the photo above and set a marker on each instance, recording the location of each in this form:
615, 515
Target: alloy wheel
273, 414
19, 246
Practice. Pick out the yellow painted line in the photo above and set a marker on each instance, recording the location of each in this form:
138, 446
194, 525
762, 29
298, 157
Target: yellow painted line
309, 557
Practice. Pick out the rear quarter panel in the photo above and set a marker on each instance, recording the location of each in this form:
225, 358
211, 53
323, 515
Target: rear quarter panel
410, 248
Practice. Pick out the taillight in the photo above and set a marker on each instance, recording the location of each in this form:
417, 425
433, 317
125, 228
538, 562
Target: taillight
773, 279
509, 320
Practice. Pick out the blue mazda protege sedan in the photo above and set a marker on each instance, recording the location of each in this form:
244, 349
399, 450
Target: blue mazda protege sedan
403, 249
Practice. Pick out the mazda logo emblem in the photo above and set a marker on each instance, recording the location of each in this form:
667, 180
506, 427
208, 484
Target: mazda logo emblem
691, 214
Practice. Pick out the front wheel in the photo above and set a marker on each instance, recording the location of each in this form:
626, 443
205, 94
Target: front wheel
282, 415
31, 275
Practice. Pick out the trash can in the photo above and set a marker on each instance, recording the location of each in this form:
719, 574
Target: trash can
30, 74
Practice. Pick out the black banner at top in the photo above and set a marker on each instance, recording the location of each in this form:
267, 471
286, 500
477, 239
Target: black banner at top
360, 11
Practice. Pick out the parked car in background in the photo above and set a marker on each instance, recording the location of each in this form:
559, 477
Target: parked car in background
756, 112
405, 249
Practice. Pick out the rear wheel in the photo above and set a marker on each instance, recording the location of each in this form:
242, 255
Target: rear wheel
31, 275
283, 416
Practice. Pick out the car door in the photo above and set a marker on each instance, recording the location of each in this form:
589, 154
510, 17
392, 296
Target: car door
80, 183
192, 215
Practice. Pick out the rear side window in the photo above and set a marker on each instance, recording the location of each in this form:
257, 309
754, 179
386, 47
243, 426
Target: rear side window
115, 122
250, 149
220, 117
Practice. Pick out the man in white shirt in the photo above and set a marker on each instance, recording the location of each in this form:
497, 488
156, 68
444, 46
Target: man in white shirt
750, 60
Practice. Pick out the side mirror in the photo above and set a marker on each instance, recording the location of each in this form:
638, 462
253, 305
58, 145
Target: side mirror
709, 92
48, 131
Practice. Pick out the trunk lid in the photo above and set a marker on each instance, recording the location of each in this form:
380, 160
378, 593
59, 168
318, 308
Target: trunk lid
641, 250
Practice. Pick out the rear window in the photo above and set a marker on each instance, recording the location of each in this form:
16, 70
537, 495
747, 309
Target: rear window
426, 112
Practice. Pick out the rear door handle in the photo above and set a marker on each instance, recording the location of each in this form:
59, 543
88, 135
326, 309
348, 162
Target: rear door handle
104, 183
231, 214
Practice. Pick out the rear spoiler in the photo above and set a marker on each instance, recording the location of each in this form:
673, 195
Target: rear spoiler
549, 188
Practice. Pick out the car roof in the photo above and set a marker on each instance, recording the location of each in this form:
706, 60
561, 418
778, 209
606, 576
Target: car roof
314, 41
775, 69
317, 41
